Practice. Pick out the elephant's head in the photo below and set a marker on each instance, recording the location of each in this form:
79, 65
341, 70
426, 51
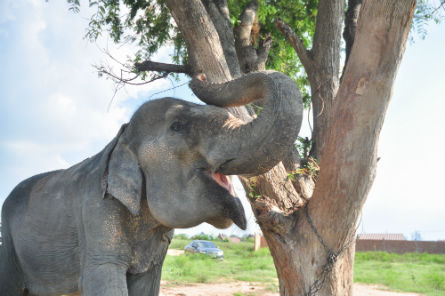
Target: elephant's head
178, 154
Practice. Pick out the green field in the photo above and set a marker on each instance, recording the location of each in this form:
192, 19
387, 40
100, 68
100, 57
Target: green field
411, 272
421, 273
240, 263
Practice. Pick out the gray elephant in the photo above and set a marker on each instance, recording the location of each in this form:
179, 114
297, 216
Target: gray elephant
102, 227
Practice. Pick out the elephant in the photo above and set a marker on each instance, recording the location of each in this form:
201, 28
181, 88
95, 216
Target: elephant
102, 227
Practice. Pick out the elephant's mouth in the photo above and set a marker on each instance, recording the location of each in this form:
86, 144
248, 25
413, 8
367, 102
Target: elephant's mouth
232, 207
225, 182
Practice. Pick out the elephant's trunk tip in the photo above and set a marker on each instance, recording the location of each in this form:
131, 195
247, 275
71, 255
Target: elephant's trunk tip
201, 77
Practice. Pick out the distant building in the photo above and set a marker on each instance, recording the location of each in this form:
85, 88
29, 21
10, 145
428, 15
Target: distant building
234, 239
382, 236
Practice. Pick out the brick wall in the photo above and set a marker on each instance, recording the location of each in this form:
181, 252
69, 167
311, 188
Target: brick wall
400, 246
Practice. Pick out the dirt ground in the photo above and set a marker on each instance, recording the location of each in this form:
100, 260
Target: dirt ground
174, 252
245, 288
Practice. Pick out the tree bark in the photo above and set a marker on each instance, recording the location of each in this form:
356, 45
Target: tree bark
219, 13
250, 59
303, 54
205, 52
351, 25
324, 76
162, 67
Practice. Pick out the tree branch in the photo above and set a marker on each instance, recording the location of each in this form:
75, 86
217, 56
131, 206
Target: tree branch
246, 34
247, 18
162, 67
351, 19
325, 54
327, 36
263, 51
219, 14
297, 44
205, 52
246, 53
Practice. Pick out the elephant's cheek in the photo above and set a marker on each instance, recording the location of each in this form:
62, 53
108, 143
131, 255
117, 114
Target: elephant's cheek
174, 211
221, 223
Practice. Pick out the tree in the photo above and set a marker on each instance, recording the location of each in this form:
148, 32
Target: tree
307, 206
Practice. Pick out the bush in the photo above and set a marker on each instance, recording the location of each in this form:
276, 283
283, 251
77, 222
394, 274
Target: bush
203, 236
181, 236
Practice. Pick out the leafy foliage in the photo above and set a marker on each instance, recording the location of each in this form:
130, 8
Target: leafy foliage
311, 168
149, 24
301, 16
73, 5
427, 11
253, 192
146, 23
304, 146
180, 236
203, 236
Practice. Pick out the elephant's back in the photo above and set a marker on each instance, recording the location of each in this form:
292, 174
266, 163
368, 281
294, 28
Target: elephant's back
17, 200
43, 231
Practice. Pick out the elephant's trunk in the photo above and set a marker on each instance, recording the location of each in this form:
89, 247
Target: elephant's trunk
255, 147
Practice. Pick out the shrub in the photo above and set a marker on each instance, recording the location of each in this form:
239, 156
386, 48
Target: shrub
203, 236
181, 236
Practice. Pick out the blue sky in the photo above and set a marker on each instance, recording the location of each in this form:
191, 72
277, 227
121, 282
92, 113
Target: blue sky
54, 113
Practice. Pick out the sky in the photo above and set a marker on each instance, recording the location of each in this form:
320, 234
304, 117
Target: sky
55, 111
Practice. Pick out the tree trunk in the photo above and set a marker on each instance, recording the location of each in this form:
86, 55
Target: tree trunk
312, 242
348, 158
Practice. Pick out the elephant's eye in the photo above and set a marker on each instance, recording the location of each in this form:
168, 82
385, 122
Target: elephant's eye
177, 126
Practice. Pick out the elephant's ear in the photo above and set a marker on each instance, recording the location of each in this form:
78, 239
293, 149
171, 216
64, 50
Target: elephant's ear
122, 177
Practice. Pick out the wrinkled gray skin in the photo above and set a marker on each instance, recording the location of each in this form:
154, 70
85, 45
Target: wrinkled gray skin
102, 227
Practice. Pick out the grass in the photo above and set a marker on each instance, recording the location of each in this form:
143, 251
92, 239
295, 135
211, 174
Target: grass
412, 272
240, 263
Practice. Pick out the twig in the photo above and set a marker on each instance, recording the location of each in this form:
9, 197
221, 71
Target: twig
162, 67
165, 90
297, 44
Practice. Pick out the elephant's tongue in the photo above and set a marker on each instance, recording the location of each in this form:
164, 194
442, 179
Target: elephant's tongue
225, 182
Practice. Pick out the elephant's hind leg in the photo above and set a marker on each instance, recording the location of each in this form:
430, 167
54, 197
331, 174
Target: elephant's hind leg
11, 276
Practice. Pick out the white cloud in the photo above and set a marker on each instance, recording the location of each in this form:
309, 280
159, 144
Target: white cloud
31, 157
6, 13
61, 106
55, 102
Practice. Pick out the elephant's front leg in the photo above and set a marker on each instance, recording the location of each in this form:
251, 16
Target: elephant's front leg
104, 279
145, 284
